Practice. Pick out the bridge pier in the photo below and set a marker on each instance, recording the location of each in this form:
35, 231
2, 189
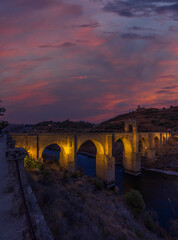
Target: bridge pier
67, 162
105, 168
151, 153
132, 163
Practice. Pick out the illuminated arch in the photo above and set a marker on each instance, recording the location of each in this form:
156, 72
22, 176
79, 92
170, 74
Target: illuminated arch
44, 146
143, 145
156, 145
56, 157
98, 145
118, 151
87, 158
127, 154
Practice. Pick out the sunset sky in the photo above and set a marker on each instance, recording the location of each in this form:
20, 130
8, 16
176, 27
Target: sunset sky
86, 59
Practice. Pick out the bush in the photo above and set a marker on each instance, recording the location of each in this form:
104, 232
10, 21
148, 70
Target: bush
29, 162
135, 201
149, 224
75, 174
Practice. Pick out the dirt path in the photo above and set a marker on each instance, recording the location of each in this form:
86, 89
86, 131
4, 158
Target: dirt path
10, 227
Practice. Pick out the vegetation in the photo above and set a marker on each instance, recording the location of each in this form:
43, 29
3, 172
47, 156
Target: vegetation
3, 124
29, 162
52, 126
2, 110
148, 119
135, 201
83, 208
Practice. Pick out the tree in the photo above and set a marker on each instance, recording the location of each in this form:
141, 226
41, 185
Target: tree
2, 110
3, 124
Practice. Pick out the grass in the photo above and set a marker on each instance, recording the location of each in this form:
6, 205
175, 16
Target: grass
83, 208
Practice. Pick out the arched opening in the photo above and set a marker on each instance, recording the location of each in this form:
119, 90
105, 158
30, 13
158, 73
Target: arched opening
142, 148
118, 151
156, 144
86, 158
122, 151
130, 128
51, 153
125, 150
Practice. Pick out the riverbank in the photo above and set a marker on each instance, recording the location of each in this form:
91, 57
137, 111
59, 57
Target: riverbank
167, 157
80, 207
170, 173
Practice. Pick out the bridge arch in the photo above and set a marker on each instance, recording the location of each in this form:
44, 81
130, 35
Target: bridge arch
156, 144
118, 151
143, 146
44, 146
52, 152
99, 161
86, 158
98, 145
127, 153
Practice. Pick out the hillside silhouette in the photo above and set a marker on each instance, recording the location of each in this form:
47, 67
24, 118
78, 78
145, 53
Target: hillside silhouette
148, 120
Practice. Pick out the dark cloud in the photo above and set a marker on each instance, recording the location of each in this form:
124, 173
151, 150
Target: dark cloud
37, 4
170, 87
137, 36
163, 92
63, 45
167, 8
90, 25
135, 8
169, 76
135, 28
42, 59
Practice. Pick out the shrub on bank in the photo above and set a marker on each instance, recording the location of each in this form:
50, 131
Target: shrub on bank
135, 201
75, 174
29, 162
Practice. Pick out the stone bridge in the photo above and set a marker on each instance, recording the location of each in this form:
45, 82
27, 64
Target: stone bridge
105, 162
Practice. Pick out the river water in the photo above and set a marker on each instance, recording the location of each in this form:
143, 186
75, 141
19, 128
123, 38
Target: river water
160, 192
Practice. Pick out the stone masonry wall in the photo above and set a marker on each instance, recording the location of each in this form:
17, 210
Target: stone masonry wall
15, 158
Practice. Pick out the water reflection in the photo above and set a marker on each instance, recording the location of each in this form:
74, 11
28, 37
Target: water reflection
87, 163
159, 192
